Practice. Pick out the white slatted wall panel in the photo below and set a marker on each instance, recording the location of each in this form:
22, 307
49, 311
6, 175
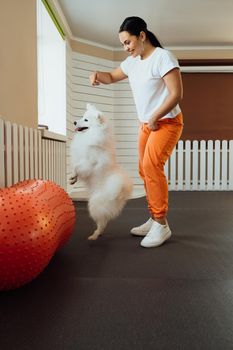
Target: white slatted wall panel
114, 100
126, 131
82, 93
24, 155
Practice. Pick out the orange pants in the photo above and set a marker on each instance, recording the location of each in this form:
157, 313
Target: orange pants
155, 147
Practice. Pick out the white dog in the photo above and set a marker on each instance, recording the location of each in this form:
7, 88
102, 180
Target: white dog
94, 161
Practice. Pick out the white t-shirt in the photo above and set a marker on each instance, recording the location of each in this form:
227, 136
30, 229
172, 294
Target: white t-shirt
145, 78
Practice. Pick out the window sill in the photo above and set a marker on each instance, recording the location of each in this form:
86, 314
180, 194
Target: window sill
52, 136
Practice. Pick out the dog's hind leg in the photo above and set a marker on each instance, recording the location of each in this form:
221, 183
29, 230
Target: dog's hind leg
101, 224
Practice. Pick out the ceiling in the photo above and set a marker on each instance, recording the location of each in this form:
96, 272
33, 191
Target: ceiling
177, 23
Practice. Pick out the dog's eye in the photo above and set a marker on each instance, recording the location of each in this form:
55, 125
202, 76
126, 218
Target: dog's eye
86, 120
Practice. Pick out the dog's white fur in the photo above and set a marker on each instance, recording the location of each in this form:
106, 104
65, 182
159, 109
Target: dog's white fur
94, 161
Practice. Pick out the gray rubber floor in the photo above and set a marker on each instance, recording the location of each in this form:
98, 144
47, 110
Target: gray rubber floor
114, 294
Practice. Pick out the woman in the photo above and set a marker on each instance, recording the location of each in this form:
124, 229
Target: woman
155, 80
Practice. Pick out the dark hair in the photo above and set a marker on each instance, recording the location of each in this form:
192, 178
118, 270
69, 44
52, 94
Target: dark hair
135, 25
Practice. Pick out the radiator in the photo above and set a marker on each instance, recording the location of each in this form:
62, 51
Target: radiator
25, 154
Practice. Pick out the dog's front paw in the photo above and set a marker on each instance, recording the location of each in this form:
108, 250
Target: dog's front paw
73, 179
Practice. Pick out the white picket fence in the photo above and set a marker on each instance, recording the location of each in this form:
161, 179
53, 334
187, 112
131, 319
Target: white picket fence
201, 166
193, 165
26, 154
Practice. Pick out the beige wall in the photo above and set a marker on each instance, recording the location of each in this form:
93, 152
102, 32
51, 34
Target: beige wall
180, 54
193, 54
18, 62
91, 50
205, 54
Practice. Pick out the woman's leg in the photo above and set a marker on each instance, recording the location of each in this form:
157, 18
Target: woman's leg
144, 133
158, 148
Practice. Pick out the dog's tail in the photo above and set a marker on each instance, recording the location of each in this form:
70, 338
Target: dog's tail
101, 207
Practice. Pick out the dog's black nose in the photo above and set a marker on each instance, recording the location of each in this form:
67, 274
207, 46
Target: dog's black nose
75, 123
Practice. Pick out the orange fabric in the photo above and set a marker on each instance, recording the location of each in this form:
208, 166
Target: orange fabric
155, 147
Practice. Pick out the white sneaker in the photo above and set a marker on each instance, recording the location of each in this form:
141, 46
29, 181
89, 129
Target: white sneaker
143, 229
157, 235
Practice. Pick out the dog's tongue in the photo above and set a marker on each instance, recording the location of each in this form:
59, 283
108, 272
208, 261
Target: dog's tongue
81, 128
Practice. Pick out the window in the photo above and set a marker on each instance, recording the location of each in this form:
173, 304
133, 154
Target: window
51, 54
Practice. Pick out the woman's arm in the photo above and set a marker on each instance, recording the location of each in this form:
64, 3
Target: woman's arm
107, 77
174, 85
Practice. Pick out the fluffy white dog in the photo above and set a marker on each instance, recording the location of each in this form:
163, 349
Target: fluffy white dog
94, 161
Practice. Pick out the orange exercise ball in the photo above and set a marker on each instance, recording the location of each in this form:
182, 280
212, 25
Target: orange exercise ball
36, 218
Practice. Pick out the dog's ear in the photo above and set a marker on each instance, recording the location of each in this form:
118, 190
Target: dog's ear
95, 112
100, 118
91, 107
